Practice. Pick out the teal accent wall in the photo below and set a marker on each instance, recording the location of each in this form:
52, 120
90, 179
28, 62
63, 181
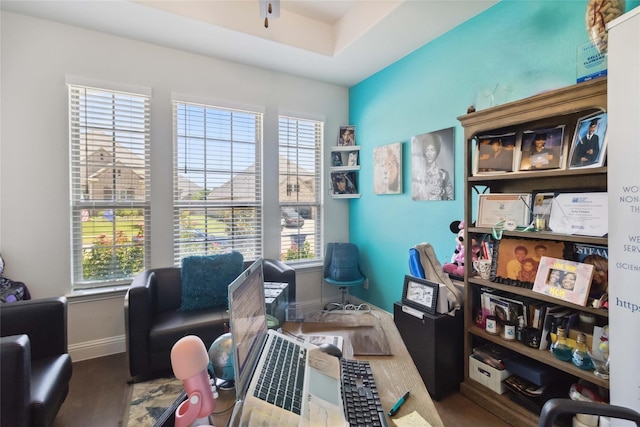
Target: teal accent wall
525, 47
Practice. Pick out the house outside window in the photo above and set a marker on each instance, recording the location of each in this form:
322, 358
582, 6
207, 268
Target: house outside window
110, 207
300, 195
217, 201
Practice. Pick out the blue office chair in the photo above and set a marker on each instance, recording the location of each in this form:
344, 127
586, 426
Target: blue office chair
342, 269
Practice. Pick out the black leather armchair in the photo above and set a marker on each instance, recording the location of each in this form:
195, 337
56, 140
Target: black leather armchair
36, 368
153, 322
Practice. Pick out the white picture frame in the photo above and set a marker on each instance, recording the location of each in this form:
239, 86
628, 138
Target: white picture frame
585, 153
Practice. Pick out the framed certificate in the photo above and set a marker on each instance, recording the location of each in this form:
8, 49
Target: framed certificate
586, 214
495, 209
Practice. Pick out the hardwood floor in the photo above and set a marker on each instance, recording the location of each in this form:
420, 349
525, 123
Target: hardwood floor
97, 398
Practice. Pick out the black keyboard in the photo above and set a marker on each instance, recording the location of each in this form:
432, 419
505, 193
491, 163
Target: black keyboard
362, 406
282, 376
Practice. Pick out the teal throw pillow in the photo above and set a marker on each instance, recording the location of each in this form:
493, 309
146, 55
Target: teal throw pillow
205, 279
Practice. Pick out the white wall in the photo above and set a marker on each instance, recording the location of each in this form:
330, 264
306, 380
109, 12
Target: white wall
36, 56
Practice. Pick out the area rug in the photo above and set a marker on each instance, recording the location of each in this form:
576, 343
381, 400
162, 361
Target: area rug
148, 401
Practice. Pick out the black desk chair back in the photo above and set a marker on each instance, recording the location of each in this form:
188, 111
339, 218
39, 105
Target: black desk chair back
555, 407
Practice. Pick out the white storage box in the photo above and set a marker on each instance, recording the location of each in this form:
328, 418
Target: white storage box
488, 376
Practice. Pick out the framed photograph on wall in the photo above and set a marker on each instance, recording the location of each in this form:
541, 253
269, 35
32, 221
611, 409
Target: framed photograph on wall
387, 169
542, 148
494, 153
347, 136
432, 165
589, 146
563, 279
420, 294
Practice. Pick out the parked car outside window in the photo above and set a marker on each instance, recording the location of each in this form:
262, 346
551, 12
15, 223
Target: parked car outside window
291, 218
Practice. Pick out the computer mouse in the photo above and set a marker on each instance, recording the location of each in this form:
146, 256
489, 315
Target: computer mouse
330, 349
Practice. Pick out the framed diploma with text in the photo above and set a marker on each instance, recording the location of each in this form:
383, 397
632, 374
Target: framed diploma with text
495, 209
586, 214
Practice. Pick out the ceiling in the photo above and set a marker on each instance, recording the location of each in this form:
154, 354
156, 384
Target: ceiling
336, 41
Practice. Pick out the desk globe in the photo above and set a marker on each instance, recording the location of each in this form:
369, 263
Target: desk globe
221, 357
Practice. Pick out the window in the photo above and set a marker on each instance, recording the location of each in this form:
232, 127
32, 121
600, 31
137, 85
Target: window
300, 149
110, 208
217, 202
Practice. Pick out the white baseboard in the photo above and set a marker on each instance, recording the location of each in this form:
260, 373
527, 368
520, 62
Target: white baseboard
97, 348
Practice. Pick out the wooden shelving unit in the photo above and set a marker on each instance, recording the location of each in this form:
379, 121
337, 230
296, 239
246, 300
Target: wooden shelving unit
566, 105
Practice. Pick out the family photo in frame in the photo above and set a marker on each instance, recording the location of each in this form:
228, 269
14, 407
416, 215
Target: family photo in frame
589, 145
563, 279
519, 259
495, 153
542, 148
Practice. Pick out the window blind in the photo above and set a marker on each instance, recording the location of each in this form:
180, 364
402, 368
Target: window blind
300, 196
110, 208
217, 200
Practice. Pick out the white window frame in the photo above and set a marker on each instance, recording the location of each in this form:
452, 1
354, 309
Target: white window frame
117, 122
300, 148
227, 185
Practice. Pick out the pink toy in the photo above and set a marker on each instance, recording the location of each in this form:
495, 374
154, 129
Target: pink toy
456, 266
189, 360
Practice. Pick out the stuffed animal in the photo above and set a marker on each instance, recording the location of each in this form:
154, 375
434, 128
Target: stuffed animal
456, 266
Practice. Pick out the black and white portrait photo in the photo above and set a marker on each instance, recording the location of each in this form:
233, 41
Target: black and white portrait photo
432, 161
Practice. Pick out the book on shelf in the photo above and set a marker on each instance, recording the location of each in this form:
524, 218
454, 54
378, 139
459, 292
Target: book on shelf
537, 311
496, 303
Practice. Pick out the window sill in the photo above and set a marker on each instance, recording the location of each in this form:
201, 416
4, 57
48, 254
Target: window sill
106, 292
304, 265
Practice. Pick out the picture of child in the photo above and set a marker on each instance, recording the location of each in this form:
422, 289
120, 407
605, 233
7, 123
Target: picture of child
528, 271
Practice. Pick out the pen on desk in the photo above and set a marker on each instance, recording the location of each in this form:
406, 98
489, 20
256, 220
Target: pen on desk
398, 404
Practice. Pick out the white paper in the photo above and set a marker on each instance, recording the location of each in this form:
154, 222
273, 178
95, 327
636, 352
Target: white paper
580, 213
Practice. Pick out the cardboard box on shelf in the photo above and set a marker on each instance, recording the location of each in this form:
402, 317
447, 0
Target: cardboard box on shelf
488, 376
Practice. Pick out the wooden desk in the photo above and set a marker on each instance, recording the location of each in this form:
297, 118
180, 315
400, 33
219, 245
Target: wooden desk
394, 374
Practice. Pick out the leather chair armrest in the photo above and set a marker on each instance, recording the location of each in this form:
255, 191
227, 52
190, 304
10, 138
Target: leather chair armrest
15, 381
44, 321
138, 316
278, 271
